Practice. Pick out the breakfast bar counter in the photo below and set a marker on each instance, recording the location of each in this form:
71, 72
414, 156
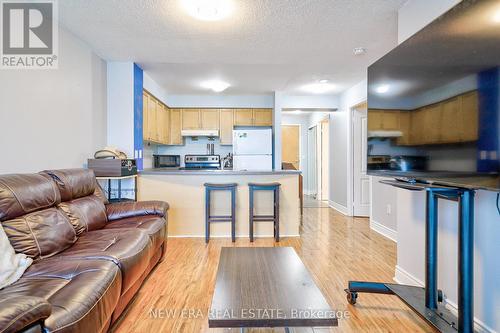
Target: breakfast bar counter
185, 192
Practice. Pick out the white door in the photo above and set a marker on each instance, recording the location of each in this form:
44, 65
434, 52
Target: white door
253, 142
312, 159
361, 191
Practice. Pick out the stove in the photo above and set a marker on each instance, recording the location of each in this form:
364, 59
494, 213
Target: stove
197, 162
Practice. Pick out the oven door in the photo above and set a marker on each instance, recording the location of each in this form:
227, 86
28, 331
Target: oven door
167, 161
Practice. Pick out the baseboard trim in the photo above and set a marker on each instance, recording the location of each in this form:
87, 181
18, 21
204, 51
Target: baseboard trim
338, 207
383, 230
237, 236
403, 277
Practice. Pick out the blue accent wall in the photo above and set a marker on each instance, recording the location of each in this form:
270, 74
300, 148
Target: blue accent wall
489, 91
138, 119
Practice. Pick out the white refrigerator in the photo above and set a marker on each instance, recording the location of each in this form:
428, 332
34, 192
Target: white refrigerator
253, 149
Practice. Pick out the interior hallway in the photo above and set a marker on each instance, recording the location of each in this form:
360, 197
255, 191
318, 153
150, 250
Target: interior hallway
333, 247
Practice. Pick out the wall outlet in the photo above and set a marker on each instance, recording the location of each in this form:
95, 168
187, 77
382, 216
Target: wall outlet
389, 209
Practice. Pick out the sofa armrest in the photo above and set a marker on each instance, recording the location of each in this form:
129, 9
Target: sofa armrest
121, 210
18, 313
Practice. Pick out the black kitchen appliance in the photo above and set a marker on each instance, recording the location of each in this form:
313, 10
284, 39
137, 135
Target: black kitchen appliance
201, 162
167, 161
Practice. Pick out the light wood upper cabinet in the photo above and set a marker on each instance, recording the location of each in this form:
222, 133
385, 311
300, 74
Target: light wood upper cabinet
191, 119
243, 117
145, 116
450, 122
404, 127
432, 123
175, 127
263, 117
469, 117
417, 135
226, 126
210, 119
379, 120
153, 133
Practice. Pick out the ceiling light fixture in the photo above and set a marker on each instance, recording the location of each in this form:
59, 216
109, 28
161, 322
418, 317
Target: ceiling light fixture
208, 10
319, 88
382, 89
297, 112
215, 85
496, 16
359, 51
323, 81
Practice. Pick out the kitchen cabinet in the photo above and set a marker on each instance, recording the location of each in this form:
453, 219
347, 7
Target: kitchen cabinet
417, 135
226, 126
469, 117
243, 117
210, 119
404, 127
432, 127
175, 127
253, 117
263, 117
145, 116
191, 119
382, 120
450, 122
164, 124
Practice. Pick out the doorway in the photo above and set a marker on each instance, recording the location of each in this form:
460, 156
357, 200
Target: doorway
290, 152
361, 181
312, 167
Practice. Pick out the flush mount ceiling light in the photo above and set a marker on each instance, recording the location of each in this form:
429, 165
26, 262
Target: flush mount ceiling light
382, 89
319, 87
215, 85
296, 112
496, 16
359, 51
323, 81
208, 10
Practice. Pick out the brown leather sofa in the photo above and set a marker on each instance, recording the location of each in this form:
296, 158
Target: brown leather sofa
90, 257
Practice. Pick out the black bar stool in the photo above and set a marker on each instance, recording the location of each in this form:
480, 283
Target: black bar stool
220, 218
275, 218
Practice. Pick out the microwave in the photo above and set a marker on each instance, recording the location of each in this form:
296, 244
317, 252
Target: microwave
167, 161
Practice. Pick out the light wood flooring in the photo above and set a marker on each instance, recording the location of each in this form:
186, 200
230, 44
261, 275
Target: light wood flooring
333, 247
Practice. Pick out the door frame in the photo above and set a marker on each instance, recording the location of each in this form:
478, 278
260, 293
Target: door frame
300, 142
318, 165
350, 156
312, 163
360, 111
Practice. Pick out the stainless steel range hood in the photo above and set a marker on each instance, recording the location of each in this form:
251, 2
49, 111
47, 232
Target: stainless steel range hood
200, 132
385, 134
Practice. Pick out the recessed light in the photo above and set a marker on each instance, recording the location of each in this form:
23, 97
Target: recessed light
215, 85
319, 88
359, 50
208, 10
382, 89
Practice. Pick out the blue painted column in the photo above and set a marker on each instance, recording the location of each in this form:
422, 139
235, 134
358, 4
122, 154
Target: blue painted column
138, 117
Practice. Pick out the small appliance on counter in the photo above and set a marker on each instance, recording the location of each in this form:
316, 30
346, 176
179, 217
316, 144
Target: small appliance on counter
196, 162
408, 163
379, 162
253, 149
166, 161
110, 162
227, 162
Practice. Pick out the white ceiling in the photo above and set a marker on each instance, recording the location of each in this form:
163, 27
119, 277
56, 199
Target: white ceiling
267, 45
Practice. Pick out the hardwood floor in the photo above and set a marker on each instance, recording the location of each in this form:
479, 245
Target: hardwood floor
333, 247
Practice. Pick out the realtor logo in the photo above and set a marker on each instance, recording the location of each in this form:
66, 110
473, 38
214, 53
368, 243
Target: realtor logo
29, 34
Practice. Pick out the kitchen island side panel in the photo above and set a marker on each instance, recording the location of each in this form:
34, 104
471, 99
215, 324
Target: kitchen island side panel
186, 197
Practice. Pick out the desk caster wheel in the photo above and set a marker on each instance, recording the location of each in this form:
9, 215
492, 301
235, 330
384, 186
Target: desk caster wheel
351, 296
440, 296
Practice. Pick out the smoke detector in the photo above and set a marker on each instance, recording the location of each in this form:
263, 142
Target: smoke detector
359, 51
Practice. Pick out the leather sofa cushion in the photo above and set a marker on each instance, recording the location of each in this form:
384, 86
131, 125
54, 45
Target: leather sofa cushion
73, 183
20, 312
21, 194
121, 210
85, 214
129, 249
83, 293
154, 226
40, 234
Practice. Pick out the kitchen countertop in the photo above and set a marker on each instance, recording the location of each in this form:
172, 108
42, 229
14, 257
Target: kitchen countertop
176, 171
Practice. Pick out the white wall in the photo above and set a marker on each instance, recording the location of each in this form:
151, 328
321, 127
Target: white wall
410, 217
121, 106
53, 118
383, 209
340, 147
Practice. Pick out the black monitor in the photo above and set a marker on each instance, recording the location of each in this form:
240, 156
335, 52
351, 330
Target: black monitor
434, 100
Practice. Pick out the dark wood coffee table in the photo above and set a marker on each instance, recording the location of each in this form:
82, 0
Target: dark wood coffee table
266, 287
